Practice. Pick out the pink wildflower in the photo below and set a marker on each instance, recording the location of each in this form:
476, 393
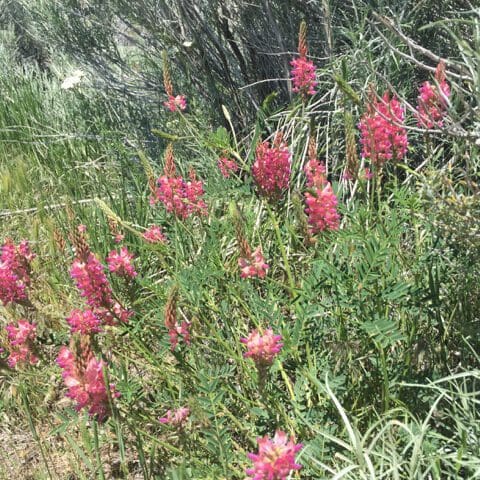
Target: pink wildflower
227, 166
83, 375
14, 271
271, 169
176, 103
254, 266
303, 76
21, 339
177, 418
92, 282
322, 209
177, 330
383, 135
181, 197
315, 173
121, 264
433, 100
275, 458
262, 349
85, 322
154, 234
118, 238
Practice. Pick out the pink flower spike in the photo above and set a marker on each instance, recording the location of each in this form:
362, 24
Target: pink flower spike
84, 322
275, 458
154, 234
227, 166
303, 76
382, 134
121, 264
21, 339
177, 418
254, 266
176, 103
262, 349
322, 209
271, 169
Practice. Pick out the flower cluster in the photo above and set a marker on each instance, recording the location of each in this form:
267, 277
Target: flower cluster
275, 458
177, 418
321, 201
433, 100
176, 103
262, 349
90, 279
383, 136
84, 322
227, 166
322, 209
271, 169
181, 197
303, 76
121, 264
14, 271
83, 375
154, 234
21, 337
254, 265
175, 328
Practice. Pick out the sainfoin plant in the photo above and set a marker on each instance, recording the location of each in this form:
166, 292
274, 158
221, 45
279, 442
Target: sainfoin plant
284, 296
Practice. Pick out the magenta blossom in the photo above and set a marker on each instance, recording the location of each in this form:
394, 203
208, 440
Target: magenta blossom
154, 234
275, 458
303, 76
85, 322
227, 166
21, 337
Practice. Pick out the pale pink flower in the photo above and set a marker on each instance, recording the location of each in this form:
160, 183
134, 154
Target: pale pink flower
85, 322
154, 234
322, 209
121, 264
383, 136
254, 266
15, 269
177, 418
176, 103
84, 379
262, 348
315, 173
303, 76
227, 166
271, 169
118, 238
433, 100
275, 458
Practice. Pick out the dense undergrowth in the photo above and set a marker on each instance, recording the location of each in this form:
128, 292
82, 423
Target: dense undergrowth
373, 292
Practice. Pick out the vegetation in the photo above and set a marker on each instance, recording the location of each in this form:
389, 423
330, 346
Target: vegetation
252, 235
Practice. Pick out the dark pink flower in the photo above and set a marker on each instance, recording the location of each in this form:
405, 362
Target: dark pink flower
181, 197
303, 76
14, 271
92, 282
85, 322
21, 337
271, 169
321, 209
121, 263
262, 348
227, 166
383, 136
275, 458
